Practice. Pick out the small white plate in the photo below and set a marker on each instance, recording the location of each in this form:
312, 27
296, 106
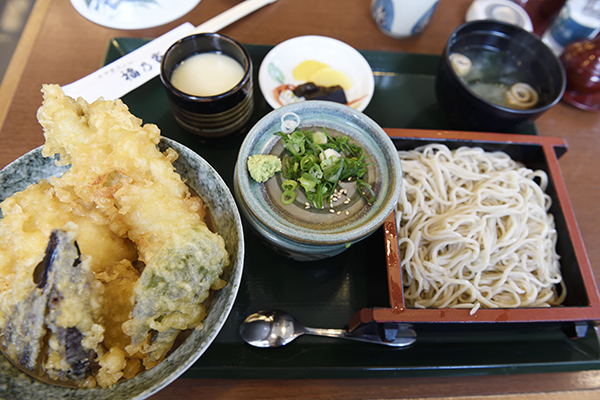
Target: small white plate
499, 10
133, 14
278, 66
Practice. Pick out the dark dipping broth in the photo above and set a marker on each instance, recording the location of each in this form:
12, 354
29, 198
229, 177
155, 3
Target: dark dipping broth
344, 211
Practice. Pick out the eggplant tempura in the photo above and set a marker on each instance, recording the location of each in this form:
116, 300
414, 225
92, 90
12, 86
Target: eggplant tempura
123, 229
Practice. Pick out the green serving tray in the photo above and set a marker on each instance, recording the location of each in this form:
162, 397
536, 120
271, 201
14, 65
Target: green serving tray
328, 293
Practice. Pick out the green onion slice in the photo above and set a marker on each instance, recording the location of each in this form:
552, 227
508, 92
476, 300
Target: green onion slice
288, 197
303, 166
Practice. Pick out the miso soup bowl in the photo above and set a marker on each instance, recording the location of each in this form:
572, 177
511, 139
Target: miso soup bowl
307, 234
466, 110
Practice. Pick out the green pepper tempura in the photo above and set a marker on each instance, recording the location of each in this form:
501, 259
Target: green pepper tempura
317, 162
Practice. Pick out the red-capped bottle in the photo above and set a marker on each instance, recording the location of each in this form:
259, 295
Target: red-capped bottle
581, 60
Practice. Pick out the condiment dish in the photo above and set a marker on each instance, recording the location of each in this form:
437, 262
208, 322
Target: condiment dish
277, 68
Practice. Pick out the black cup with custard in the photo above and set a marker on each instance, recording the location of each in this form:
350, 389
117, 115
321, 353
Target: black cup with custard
209, 112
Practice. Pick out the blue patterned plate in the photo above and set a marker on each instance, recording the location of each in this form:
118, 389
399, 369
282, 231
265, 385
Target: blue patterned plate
133, 14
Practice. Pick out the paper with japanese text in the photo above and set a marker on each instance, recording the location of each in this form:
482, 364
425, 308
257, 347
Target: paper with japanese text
132, 70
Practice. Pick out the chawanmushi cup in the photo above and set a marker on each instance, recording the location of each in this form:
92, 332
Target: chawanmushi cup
210, 117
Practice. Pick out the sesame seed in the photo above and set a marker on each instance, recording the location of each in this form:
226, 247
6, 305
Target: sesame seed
331, 210
338, 213
347, 212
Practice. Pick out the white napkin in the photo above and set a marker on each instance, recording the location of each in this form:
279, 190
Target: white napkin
129, 72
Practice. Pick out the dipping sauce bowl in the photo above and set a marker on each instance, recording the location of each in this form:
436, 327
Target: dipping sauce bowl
212, 116
306, 233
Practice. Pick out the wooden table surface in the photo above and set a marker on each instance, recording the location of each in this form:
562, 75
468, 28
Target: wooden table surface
60, 46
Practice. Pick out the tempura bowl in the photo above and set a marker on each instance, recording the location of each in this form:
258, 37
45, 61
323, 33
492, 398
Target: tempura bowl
524, 52
311, 234
205, 182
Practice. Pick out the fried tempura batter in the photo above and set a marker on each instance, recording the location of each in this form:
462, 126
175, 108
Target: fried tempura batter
134, 215
63, 306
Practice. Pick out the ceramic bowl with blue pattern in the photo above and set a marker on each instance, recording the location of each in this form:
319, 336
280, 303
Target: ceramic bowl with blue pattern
299, 230
204, 181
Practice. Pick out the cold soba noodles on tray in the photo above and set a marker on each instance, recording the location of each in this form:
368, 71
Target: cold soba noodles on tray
474, 231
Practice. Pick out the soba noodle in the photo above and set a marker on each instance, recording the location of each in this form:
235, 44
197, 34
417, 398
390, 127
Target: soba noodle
474, 231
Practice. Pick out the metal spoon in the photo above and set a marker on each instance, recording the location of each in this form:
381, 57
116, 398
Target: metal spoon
278, 328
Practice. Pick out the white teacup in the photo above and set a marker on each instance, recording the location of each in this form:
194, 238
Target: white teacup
402, 18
